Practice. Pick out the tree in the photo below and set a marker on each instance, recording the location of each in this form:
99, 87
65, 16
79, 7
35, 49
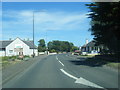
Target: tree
60, 46
74, 48
41, 45
105, 24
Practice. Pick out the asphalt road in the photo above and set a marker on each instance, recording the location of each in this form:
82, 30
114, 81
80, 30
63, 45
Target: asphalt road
62, 71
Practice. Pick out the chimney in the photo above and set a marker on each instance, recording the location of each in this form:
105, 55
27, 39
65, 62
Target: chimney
28, 39
10, 39
86, 42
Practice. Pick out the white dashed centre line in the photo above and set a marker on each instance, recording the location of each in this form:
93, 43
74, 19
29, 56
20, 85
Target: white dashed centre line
61, 63
56, 57
80, 80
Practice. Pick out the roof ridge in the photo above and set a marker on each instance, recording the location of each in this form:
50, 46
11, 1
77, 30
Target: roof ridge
6, 40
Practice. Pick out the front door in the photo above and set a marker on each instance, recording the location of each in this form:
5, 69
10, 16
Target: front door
19, 51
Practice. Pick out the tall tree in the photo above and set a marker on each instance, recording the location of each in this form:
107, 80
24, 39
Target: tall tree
105, 24
41, 45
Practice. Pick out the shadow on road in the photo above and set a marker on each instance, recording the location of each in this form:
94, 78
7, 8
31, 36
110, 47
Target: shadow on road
88, 62
93, 61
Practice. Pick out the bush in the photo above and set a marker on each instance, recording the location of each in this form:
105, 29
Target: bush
12, 58
53, 50
5, 58
26, 56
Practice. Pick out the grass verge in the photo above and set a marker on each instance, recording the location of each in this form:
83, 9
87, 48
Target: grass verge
100, 60
113, 65
11, 60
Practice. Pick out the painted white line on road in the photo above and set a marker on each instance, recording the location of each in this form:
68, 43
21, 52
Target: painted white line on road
56, 57
82, 80
69, 74
86, 82
61, 63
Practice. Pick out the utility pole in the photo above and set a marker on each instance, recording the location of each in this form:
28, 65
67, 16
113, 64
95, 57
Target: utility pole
33, 35
46, 43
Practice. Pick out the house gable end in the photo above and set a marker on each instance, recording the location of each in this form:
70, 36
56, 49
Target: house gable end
15, 41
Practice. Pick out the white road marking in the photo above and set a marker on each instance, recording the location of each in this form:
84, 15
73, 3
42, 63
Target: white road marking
56, 57
61, 63
82, 80
69, 74
86, 82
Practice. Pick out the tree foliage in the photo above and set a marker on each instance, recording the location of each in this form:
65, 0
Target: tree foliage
61, 46
105, 24
41, 45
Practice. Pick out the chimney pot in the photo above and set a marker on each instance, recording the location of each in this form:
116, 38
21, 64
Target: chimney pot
86, 42
10, 38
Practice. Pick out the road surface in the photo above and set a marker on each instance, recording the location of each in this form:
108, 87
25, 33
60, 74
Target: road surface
62, 71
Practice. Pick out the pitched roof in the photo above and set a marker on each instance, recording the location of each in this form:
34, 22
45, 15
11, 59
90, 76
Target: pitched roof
30, 44
5, 43
90, 44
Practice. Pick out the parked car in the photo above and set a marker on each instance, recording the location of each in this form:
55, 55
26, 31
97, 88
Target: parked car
94, 51
84, 53
77, 52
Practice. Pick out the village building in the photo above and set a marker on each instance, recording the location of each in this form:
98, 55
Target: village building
17, 47
91, 48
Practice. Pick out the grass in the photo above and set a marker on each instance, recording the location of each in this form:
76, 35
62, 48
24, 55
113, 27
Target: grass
102, 61
4, 61
114, 65
9, 60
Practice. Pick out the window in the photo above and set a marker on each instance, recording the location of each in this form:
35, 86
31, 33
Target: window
18, 46
2, 49
10, 51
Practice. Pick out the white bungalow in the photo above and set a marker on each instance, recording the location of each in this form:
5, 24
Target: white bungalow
17, 47
91, 48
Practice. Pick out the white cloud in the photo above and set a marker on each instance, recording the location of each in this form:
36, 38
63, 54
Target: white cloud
43, 20
19, 23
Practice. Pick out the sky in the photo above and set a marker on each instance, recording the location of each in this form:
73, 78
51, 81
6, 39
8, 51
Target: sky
64, 21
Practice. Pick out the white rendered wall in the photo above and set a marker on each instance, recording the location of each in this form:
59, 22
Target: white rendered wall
35, 51
2, 53
11, 46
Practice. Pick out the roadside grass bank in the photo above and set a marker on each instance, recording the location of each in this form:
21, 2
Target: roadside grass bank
113, 65
100, 60
11, 60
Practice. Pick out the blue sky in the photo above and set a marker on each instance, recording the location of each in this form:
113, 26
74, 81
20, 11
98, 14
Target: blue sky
66, 21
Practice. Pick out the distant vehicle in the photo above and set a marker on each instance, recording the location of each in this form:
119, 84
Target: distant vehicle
84, 53
77, 52
94, 52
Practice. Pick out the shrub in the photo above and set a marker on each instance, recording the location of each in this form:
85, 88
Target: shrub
5, 58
